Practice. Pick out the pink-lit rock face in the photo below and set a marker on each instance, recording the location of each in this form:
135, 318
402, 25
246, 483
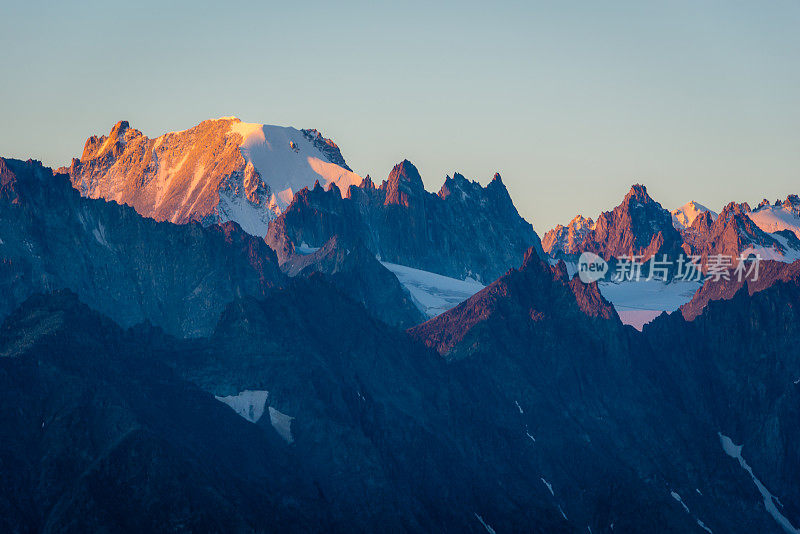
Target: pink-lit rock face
217, 171
638, 226
567, 239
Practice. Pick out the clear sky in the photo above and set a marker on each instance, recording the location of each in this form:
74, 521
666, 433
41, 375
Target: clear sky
571, 102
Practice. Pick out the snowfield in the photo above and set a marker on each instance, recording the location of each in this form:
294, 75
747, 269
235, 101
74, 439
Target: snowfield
771, 253
433, 293
776, 218
249, 403
684, 216
288, 161
638, 303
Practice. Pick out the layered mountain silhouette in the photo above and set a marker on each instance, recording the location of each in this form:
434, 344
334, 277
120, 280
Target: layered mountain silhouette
221, 339
130, 268
735, 234
641, 227
465, 230
520, 426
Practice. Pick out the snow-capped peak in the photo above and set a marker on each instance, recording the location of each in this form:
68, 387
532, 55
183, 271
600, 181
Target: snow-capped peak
220, 170
684, 216
288, 160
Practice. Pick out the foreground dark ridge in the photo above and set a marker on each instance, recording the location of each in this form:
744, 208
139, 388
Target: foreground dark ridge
547, 415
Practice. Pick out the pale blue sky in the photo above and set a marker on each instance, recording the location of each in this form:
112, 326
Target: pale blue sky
571, 101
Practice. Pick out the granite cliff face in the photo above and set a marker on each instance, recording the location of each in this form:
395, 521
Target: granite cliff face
131, 268
464, 231
217, 171
639, 226
566, 240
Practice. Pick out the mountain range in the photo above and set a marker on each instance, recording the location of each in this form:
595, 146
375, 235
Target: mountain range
641, 227
225, 329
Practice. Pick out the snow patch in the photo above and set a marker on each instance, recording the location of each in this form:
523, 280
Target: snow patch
433, 293
99, 234
304, 249
249, 403
253, 219
678, 498
704, 527
489, 529
735, 451
282, 423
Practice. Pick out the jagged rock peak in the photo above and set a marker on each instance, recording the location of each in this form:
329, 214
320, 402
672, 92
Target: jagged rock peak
367, 183
405, 171
17, 176
532, 259
96, 147
638, 192
567, 239
333, 187
404, 182
733, 209
326, 146
703, 222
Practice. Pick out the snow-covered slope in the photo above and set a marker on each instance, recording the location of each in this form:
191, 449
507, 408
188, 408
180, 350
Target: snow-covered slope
433, 293
784, 216
638, 303
787, 252
289, 159
684, 216
250, 404
219, 170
